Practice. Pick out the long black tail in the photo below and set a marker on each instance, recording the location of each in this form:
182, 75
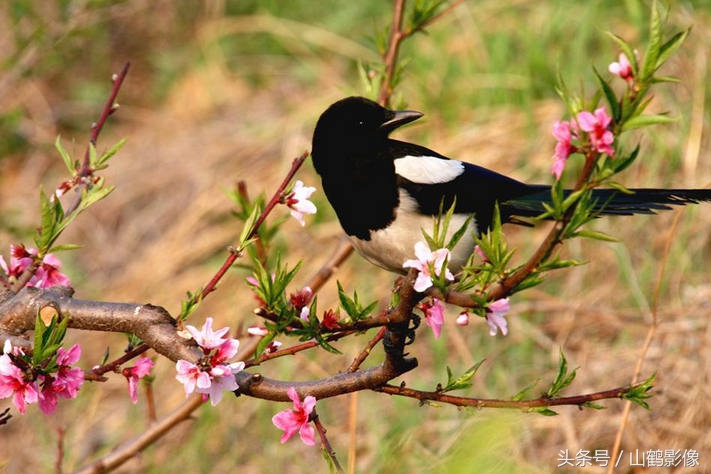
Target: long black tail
610, 201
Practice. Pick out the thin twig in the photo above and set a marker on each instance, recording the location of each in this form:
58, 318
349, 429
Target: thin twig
85, 170
113, 365
542, 402
110, 107
154, 432
234, 255
391, 53
367, 350
321, 430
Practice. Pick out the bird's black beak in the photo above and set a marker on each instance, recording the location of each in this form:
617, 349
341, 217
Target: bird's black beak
400, 118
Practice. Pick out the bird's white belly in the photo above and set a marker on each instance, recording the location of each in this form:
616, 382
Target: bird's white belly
391, 247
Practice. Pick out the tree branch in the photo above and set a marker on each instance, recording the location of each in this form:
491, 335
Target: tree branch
541, 402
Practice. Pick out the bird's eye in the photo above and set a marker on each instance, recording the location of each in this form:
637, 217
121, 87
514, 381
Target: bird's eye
361, 123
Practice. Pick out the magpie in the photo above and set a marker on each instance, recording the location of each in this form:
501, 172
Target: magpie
386, 191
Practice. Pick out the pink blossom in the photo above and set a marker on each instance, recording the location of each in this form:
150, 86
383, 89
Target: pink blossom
46, 275
622, 68
257, 331
13, 383
142, 368
68, 357
64, 383
463, 319
296, 419
273, 346
563, 148
19, 260
495, 316
330, 319
227, 350
206, 337
595, 124
298, 201
434, 315
426, 262
68, 379
302, 297
215, 375
191, 376
223, 379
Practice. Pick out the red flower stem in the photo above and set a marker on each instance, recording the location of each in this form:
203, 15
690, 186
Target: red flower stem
109, 108
234, 254
355, 365
112, 366
324, 441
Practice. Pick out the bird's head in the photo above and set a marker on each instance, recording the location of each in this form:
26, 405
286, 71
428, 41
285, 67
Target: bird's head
354, 127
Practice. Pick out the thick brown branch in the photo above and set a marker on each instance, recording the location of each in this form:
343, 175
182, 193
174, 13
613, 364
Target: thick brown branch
152, 324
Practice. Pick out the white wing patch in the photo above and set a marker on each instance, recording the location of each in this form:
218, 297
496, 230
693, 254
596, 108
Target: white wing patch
428, 169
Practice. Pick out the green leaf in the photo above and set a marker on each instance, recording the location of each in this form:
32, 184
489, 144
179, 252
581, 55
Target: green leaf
639, 393
464, 380
64, 247
523, 393
101, 161
545, 411
620, 187
595, 235
423, 11
563, 378
40, 330
610, 96
352, 306
647, 120
70, 163
189, 305
92, 155
670, 46
593, 405
651, 57
248, 228
621, 163
48, 338
263, 343
457, 236
662, 79
51, 215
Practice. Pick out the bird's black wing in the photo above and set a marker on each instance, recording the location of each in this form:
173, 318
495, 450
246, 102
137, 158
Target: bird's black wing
475, 189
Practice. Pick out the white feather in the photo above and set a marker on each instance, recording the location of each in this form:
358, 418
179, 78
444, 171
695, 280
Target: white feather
390, 247
428, 169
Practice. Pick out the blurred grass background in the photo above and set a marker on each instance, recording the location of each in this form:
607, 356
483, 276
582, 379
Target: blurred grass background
223, 90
